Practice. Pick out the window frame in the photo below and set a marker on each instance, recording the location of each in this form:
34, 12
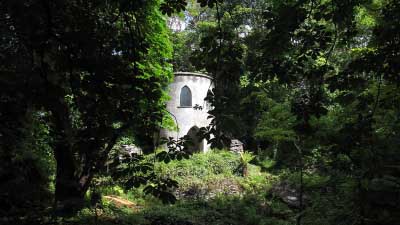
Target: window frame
189, 97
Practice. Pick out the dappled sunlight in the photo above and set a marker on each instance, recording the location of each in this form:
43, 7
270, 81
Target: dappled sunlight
200, 112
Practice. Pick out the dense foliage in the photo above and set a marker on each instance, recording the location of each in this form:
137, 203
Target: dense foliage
93, 70
311, 87
318, 84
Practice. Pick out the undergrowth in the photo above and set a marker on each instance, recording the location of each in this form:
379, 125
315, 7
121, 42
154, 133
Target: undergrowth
212, 190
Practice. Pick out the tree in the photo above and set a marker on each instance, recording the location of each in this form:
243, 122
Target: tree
97, 68
337, 58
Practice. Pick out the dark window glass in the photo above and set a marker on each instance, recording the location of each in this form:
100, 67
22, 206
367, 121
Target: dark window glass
186, 96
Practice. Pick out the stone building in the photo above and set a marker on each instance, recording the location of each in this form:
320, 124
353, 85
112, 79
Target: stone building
188, 107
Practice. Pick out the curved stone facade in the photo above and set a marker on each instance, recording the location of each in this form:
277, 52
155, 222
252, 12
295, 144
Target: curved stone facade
189, 119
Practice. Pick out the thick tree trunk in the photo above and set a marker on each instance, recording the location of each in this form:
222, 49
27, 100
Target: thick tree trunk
77, 160
69, 189
70, 185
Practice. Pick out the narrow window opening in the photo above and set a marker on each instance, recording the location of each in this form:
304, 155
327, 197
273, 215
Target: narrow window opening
186, 97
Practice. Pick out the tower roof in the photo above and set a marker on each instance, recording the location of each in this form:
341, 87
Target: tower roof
193, 74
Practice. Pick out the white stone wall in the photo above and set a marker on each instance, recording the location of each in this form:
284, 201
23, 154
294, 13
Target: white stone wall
188, 117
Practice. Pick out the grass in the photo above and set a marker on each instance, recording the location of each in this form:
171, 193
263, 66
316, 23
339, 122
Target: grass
212, 190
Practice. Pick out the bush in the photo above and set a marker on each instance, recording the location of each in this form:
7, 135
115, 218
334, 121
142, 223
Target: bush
201, 165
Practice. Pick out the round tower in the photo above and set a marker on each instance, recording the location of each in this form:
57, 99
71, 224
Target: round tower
188, 107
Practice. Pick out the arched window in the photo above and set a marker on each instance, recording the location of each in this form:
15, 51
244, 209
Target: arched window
186, 97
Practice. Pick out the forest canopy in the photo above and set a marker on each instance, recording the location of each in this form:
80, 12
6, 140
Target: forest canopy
311, 88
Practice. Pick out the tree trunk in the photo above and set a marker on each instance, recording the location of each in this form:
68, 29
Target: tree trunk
245, 171
301, 168
76, 161
69, 189
70, 185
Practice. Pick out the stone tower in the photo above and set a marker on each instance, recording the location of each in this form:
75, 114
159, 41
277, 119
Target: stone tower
187, 91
